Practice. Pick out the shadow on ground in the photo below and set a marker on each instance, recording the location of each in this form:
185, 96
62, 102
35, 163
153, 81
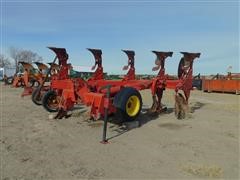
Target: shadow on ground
196, 106
142, 119
145, 117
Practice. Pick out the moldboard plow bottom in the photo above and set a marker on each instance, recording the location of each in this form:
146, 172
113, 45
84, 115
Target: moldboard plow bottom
124, 97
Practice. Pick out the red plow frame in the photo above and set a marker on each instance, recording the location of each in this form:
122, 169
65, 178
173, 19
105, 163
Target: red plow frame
118, 96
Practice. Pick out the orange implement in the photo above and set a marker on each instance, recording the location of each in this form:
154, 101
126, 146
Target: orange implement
221, 85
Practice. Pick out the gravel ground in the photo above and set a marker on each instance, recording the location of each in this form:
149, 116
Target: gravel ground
204, 145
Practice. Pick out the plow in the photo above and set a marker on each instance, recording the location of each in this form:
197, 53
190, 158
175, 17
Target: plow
27, 78
121, 97
30, 78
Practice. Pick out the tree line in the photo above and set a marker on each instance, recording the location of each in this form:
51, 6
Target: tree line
16, 55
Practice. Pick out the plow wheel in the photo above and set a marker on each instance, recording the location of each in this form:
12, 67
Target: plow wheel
128, 103
20, 83
181, 106
34, 83
37, 96
50, 101
8, 80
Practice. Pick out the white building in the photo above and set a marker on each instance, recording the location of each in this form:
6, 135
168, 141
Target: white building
6, 71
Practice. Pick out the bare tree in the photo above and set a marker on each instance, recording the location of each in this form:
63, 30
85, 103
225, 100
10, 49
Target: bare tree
29, 56
14, 54
4, 61
23, 55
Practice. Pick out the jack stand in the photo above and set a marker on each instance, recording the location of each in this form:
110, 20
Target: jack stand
104, 137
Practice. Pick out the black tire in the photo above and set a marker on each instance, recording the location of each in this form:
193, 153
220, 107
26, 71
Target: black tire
47, 99
180, 71
123, 99
33, 83
9, 80
37, 97
20, 83
37, 84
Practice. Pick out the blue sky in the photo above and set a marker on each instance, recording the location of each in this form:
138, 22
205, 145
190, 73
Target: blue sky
210, 27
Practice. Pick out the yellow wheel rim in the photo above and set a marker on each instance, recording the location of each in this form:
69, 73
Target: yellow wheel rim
133, 106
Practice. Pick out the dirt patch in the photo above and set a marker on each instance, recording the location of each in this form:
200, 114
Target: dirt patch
95, 124
34, 147
203, 171
172, 126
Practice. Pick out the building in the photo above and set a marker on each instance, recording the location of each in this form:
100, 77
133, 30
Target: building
8, 71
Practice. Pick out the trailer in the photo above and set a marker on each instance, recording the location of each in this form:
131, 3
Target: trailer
223, 84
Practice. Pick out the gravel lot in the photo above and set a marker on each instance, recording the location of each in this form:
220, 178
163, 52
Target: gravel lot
204, 145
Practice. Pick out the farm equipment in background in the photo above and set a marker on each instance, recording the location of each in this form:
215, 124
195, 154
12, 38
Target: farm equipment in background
7, 80
116, 96
54, 69
229, 83
42, 68
57, 71
51, 73
197, 82
29, 78
34, 76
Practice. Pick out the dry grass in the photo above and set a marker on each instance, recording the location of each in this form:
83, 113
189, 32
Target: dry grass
207, 171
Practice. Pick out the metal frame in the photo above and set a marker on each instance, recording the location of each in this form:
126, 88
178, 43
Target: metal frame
91, 92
